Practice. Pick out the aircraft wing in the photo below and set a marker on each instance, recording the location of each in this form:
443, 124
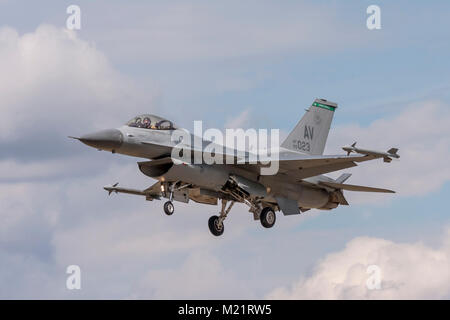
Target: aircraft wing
315, 165
351, 187
300, 166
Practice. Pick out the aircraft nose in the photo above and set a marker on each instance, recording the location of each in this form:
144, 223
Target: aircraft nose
109, 139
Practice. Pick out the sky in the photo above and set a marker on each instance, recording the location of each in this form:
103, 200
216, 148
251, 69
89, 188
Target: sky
252, 64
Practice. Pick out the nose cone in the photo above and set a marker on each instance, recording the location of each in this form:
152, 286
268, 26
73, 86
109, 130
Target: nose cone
109, 139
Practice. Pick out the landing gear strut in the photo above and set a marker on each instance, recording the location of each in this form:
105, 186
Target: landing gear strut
168, 206
215, 223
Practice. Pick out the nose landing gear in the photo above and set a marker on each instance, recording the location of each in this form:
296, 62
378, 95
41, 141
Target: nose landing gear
168, 206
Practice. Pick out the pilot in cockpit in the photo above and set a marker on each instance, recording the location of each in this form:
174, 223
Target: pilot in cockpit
138, 123
146, 123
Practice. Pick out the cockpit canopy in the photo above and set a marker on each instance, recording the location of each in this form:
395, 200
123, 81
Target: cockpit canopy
149, 121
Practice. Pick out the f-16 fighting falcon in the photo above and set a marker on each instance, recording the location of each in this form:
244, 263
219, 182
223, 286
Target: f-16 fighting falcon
298, 185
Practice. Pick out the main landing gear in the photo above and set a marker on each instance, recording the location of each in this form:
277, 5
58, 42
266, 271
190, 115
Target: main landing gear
266, 215
215, 223
168, 190
267, 218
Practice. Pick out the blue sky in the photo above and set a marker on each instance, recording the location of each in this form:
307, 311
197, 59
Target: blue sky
259, 64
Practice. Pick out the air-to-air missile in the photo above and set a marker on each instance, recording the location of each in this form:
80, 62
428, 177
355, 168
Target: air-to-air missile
387, 156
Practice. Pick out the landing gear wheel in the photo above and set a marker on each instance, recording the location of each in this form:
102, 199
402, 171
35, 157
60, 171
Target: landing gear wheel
169, 208
267, 217
215, 226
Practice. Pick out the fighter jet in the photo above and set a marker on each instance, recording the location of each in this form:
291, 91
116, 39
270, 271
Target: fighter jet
300, 183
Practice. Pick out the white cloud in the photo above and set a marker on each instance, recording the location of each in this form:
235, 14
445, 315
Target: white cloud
28, 215
51, 80
408, 271
200, 275
422, 134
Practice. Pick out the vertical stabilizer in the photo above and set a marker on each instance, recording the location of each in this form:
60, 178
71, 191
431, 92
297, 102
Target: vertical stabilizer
311, 132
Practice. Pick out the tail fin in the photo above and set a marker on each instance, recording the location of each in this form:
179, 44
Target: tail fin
343, 177
311, 132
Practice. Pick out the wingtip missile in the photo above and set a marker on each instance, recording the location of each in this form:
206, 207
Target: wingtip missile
111, 188
350, 148
387, 156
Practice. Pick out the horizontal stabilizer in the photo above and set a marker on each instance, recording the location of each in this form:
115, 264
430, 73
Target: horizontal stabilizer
351, 187
392, 151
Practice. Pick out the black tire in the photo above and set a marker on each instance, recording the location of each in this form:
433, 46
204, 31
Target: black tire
169, 208
267, 217
214, 227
